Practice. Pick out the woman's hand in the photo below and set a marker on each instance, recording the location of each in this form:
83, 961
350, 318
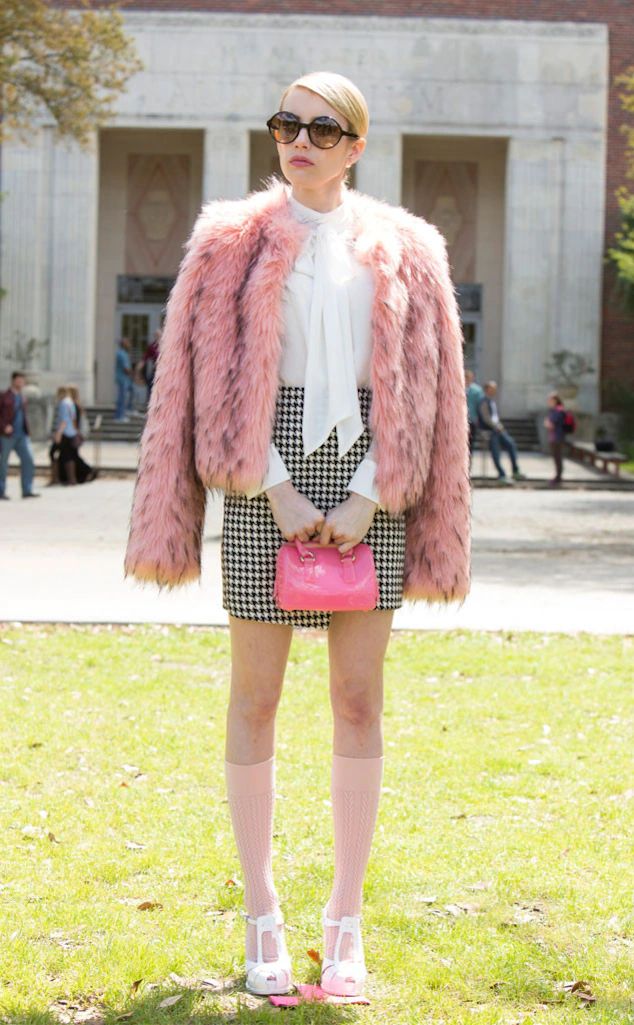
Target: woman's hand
295, 515
347, 524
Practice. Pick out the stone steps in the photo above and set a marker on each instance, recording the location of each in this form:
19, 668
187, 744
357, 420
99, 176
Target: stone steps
111, 431
522, 429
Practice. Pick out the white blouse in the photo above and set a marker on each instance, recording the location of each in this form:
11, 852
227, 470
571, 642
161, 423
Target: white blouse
326, 349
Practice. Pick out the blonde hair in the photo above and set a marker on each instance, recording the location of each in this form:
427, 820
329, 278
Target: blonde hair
340, 93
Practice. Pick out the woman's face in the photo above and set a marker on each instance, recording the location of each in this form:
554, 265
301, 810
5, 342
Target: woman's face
324, 167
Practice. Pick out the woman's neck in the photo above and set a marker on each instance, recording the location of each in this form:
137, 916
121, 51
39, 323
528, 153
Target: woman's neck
320, 200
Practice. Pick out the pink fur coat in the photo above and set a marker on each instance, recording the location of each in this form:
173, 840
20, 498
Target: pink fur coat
211, 413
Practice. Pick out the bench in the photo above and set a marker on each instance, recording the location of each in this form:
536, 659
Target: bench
585, 451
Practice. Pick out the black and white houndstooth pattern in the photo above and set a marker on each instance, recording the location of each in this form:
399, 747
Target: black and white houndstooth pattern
251, 537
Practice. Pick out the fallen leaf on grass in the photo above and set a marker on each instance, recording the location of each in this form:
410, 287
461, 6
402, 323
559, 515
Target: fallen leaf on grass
135, 985
149, 905
195, 982
581, 990
462, 909
314, 955
525, 914
170, 1001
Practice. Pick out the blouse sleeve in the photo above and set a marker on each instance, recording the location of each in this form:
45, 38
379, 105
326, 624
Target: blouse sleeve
362, 481
275, 474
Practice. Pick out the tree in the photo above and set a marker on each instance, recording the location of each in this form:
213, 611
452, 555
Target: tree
621, 254
69, 64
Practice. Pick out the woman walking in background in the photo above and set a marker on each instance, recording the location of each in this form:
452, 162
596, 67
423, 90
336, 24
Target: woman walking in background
554, 423
310, 369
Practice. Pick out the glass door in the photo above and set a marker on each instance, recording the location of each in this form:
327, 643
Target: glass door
139, 322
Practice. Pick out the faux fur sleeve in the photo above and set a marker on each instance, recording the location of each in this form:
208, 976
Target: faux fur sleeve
438, 532
168, 510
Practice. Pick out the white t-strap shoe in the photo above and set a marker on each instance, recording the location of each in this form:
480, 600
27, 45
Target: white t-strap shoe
269, 977
344, 978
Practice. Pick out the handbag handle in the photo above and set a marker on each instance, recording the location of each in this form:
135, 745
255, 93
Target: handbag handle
306, 553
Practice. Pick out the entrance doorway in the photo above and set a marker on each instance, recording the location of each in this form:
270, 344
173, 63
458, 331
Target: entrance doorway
470, 303
139, 322
140, 311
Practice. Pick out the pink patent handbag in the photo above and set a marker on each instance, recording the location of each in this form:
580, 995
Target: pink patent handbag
317, 577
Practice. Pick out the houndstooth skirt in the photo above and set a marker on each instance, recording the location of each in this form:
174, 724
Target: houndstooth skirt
251, 537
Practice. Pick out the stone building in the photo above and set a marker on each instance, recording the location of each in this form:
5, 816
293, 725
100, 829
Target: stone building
497, 130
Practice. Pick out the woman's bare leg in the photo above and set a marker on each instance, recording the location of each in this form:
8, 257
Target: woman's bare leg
357, 643
259, 653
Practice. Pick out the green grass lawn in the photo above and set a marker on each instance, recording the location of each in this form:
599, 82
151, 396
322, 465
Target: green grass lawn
501, 872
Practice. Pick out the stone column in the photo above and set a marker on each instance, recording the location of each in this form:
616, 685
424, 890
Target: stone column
26, 250
379, 171
581, 278
554, 239
74, 193
225, 162
533, 269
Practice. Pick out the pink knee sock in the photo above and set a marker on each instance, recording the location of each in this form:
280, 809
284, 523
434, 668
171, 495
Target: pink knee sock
251, 794
355, 790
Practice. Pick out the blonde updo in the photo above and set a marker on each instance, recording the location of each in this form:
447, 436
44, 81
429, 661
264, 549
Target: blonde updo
342, 94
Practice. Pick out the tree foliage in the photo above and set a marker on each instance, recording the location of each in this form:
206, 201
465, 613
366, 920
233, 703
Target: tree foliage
621, 254
69, 64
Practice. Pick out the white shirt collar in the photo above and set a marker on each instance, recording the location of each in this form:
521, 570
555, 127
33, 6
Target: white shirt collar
333, 218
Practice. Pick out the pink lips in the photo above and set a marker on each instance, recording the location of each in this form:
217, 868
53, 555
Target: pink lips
300, 162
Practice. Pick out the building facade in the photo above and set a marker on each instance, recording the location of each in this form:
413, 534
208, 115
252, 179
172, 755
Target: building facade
495, 130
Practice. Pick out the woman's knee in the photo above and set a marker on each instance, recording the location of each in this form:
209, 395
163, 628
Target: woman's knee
255, 700
358, 701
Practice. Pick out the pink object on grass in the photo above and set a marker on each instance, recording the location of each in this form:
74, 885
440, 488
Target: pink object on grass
312, 994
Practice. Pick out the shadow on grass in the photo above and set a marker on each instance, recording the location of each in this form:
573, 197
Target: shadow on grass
228, 1004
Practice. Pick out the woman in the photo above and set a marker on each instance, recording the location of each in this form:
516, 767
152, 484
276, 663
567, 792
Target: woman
311, 369
66, 437
54, 450
554, 424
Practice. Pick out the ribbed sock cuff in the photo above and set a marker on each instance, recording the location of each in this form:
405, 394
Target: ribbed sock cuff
360, 774
248, 780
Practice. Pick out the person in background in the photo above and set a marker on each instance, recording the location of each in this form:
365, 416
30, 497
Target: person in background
489, 420
475, 394
83, 471
123, 380
65, 435
554, 424
150, 357
54, 450
14, 434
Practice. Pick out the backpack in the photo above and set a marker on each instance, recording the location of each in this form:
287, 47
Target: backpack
570, 424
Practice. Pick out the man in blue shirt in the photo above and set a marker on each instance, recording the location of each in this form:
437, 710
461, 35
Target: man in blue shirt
123, 380
14, 434
475, 394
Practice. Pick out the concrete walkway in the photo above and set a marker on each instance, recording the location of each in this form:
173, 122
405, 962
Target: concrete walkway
117, 457
546, 560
